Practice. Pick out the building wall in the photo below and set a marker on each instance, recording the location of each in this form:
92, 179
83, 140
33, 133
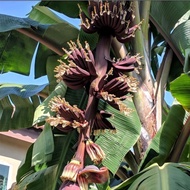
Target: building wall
13, 148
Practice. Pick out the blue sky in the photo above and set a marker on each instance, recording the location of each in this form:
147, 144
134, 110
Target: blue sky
16, 8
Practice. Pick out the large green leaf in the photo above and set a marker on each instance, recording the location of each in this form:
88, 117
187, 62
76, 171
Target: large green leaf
16, 52
43, 147
167, 13
55, 31
17, 112
180, 89
128, 131
181, 36
166, 16
43, 179
163, 142
44, 15
170, 176
69, 8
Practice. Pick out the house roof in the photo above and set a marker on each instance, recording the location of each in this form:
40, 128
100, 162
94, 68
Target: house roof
28, 135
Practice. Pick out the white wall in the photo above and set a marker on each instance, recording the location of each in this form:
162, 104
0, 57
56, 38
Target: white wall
12, 152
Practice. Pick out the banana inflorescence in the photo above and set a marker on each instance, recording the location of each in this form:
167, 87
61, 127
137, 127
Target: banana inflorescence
103, 78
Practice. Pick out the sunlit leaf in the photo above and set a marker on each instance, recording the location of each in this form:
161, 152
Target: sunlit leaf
12, 56
180, 89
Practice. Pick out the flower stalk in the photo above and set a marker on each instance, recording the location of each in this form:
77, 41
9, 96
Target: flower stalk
103, 78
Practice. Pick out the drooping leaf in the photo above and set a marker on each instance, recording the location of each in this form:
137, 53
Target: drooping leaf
17, 60
12, 56
180, 89
170, 176
128, 132
17, 112
163, 142
18, 103
8, 23
23, 91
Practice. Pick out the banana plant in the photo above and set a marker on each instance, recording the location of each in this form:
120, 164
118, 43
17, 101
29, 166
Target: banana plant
106, 123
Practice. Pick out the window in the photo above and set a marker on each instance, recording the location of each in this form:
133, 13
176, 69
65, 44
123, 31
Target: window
4, 172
